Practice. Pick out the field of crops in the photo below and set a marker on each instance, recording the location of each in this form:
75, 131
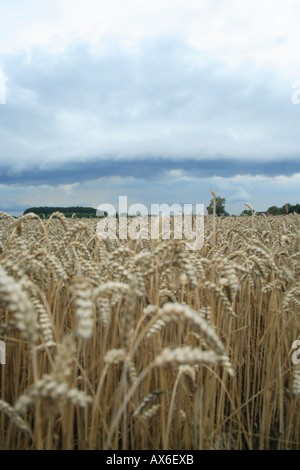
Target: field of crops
142, 344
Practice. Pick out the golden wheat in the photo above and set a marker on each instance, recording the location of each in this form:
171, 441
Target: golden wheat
140, 344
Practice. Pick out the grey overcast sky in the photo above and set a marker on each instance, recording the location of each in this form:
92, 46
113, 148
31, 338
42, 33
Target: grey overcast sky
155, 100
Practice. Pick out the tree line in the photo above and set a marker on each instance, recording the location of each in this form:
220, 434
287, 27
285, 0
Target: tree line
273, 210
90, 212
285, 209
80, 212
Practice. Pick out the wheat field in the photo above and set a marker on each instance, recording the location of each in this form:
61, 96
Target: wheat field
142, 344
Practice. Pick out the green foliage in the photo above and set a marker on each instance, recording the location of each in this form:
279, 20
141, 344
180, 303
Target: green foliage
274, 210
246, 212
80, 212
220, 206
285, 209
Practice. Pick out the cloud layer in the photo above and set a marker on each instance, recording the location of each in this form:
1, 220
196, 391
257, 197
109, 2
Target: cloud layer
151, 169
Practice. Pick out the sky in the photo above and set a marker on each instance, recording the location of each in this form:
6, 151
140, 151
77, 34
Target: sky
158, 101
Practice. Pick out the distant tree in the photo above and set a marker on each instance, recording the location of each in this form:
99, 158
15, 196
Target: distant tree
286, 208
80, 212
274, 210
295, 208
246, 212
220, 206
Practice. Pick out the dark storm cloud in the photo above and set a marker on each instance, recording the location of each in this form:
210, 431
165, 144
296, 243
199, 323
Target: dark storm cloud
146, 169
